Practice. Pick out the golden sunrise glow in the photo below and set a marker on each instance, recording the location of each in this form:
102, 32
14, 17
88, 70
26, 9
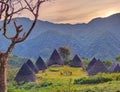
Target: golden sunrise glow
76, 11
110, 12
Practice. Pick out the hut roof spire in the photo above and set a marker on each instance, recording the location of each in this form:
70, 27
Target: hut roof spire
92, 62
76, 62
32, 66
115, 67
40, 64
55, 58
25, 74
97, 68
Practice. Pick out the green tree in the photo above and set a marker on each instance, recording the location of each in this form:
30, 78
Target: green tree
85, 62
117, 58
107, 63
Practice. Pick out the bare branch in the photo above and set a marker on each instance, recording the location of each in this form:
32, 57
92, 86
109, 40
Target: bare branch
8, 10
34, 22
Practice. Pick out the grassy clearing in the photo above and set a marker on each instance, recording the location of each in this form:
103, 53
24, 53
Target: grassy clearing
61, 73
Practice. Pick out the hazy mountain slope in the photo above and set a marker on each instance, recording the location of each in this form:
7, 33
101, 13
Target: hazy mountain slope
100, 38
45, 43
105, 44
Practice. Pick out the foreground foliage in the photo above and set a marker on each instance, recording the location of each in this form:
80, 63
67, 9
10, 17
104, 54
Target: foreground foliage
99, 78
52, 81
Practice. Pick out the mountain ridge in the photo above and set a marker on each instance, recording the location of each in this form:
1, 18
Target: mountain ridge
82, 38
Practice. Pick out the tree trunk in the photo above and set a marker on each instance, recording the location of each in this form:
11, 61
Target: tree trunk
3, 68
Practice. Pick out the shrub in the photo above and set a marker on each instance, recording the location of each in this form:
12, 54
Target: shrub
45, 84
117, 77
89, 90
28, 85
100, 78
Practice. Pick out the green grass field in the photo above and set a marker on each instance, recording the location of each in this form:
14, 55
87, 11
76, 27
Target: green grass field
61, 79
61, 73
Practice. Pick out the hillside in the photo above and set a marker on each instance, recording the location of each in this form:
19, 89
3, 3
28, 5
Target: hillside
98, 38
16, 61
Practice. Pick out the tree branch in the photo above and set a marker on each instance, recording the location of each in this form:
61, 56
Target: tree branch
34, 22
8, 8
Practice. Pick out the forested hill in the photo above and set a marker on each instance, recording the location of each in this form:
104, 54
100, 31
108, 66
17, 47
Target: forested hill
98, 38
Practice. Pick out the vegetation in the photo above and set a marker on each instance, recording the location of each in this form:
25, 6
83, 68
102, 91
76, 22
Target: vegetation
16, 61
85, 62
108, 63
65, 52
99, 78
57, 79
11, 72
117, 58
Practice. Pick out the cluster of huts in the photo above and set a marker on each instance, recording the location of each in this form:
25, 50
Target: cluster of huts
28, 70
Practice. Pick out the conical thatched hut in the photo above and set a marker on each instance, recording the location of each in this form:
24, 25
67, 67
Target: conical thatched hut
55, 59
115, 68
40, 64
98, 67
76, 62
25, 74
32, 66
92, 62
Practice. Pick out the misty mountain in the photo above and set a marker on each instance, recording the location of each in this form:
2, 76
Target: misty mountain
99, 38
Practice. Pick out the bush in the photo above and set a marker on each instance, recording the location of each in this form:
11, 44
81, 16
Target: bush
28, 86
45, 84
100, 78
118, 91
117, 77
89, 90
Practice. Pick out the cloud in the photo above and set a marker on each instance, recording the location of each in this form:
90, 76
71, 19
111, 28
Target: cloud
74, 11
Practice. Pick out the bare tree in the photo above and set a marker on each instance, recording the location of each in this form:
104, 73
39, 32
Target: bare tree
8, 9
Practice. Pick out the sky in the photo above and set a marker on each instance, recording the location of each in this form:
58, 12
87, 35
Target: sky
76, 11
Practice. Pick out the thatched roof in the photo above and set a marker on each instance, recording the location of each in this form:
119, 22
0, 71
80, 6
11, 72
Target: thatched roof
40, 64
92, 62
76, 62
98, 67
25, 74
115, 68
55, 58
32, 66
